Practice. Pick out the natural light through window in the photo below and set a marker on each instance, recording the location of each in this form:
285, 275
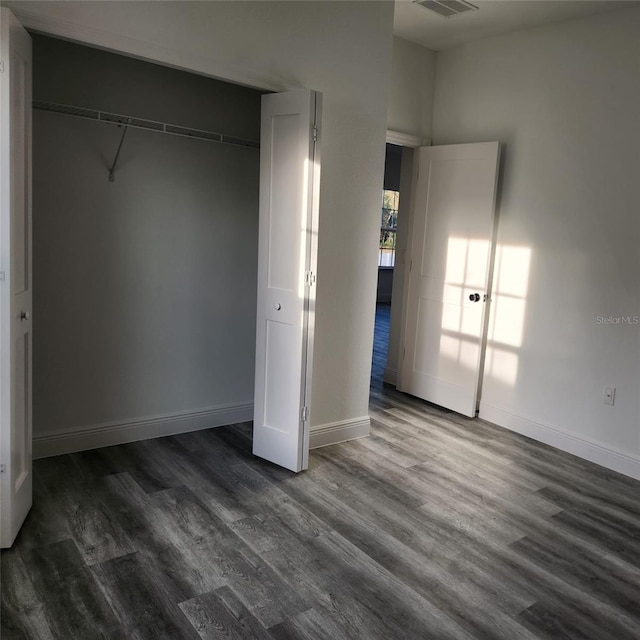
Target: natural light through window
388, 228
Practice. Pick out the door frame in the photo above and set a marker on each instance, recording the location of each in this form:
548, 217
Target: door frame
397, 312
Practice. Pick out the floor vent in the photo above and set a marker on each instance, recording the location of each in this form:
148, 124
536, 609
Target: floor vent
447, 8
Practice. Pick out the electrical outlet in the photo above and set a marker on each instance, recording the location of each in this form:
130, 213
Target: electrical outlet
609, 395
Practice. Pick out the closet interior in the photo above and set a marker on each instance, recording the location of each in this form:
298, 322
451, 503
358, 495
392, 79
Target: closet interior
145, 235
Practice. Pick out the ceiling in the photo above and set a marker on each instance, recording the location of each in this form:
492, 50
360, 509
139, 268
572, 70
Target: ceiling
413, 22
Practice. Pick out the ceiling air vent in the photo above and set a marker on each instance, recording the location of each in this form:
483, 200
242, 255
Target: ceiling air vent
447, 8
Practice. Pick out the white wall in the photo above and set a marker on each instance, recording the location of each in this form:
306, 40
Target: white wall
565, 101
342, 49
411, 89
410, 111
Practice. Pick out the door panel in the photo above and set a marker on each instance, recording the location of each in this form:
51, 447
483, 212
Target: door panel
289, 182
451, 248
15, 285
285, 191
280, 404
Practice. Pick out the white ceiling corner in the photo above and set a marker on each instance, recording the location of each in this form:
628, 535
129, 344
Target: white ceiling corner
494, 17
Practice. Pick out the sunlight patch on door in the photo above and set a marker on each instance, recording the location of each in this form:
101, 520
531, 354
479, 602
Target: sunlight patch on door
462, 316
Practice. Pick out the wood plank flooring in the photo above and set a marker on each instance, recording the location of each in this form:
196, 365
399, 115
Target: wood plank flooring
434, 527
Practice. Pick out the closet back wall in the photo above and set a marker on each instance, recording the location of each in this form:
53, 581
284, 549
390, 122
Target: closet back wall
144, 288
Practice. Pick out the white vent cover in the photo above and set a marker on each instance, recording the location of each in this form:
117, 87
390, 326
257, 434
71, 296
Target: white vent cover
447, 8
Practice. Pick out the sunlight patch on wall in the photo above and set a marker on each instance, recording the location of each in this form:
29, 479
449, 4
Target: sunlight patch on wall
506, 322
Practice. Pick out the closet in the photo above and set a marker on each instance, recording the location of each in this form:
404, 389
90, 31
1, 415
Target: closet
144, 304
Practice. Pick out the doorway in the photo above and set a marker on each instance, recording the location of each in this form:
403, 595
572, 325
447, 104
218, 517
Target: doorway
448, 290
445, 297
387, 254
394, 237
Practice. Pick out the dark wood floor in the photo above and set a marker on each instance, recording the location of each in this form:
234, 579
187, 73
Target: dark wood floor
434, 527
380, 346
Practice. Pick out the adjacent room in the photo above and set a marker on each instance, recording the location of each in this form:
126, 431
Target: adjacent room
151, 517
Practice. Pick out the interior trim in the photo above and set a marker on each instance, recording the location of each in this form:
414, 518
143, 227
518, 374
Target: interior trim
323, 435
587, 449
406, 139
108, 434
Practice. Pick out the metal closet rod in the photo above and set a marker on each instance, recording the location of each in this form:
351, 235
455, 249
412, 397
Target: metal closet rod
139, 123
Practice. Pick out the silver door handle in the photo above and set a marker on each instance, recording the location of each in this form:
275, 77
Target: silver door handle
474, 297
24, 315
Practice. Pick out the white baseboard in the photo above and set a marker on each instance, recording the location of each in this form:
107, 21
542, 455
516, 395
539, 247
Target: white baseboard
607, 457
323, 435
108, 434
390, 376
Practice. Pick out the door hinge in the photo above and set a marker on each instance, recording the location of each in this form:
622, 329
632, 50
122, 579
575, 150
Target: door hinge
309, 278
1, 66
2, 276
304, 416
316, 133
3, 468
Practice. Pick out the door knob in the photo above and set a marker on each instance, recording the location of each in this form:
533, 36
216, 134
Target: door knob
474, 297
24, 315
277, 306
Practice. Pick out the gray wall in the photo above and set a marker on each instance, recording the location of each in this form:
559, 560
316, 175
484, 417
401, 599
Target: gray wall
392, 165
385, 285
144, 289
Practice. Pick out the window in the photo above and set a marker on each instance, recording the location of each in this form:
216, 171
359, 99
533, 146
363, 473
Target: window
388, 228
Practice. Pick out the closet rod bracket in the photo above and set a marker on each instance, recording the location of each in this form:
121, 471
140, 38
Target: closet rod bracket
112, 177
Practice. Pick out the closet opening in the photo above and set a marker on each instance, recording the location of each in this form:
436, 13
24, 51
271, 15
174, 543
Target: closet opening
144, 303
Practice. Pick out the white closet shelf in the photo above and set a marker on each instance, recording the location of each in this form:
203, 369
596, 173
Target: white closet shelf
139, 123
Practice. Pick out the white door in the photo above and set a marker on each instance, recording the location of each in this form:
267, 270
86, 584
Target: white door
289, 182
15, 276
450, 257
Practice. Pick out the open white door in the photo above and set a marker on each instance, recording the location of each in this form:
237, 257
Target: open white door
450, 256
15, 276
289, 183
